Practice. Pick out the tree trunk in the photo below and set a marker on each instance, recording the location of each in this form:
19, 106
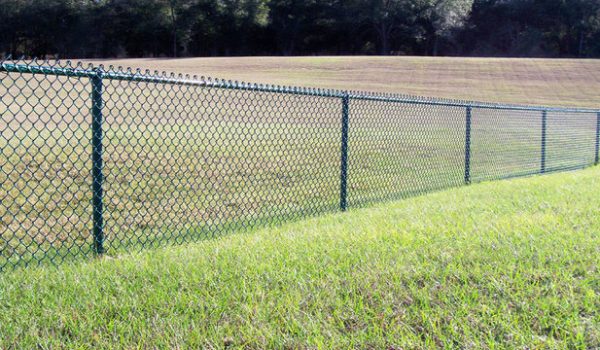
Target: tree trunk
384, 39
581, 44
174, 23
434, 51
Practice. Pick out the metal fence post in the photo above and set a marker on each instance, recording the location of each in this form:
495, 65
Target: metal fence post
544, 127
344, 154
97, 176
597, 160
468, 146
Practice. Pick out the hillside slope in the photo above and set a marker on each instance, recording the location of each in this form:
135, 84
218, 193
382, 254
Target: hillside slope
509, 264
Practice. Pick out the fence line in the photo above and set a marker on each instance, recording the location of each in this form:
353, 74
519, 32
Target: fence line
178, 158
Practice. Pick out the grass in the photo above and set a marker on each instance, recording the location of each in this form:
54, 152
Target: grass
509, 264
554, 82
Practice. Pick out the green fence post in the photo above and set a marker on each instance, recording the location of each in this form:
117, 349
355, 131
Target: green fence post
596, 159
544, 127
468, 146
97, 176
344, 156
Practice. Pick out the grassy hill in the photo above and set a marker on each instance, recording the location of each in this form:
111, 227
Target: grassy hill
557, 82
509, 264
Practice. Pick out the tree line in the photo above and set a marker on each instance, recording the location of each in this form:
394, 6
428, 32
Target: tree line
168, 28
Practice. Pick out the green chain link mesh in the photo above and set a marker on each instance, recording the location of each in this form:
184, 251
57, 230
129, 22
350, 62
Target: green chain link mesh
100, 160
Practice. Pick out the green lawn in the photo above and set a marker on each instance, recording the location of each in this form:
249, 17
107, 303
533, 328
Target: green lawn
509, 264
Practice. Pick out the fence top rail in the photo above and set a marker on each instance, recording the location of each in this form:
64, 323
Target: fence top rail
89, 70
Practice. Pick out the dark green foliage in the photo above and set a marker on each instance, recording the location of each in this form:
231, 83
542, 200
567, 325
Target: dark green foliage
154, 28
557, 28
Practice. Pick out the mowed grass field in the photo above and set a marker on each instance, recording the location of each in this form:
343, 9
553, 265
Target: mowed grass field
553, 82
501, 265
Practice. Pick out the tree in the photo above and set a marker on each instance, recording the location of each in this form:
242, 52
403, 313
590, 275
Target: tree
11, 31
289, 20
387, 18
560, 28
571, 23
440, 18
108, 28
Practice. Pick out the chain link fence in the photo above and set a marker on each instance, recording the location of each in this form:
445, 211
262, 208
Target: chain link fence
97, 160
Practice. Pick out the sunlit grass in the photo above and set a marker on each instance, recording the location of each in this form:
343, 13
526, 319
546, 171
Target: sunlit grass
510, 264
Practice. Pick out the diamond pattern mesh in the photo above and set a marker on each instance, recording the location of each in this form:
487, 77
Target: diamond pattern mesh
165, 159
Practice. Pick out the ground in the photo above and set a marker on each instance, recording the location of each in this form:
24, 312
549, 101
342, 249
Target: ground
493, 265
554, 82
507, 264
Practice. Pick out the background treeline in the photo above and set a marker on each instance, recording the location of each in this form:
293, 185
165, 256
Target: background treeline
109, 28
